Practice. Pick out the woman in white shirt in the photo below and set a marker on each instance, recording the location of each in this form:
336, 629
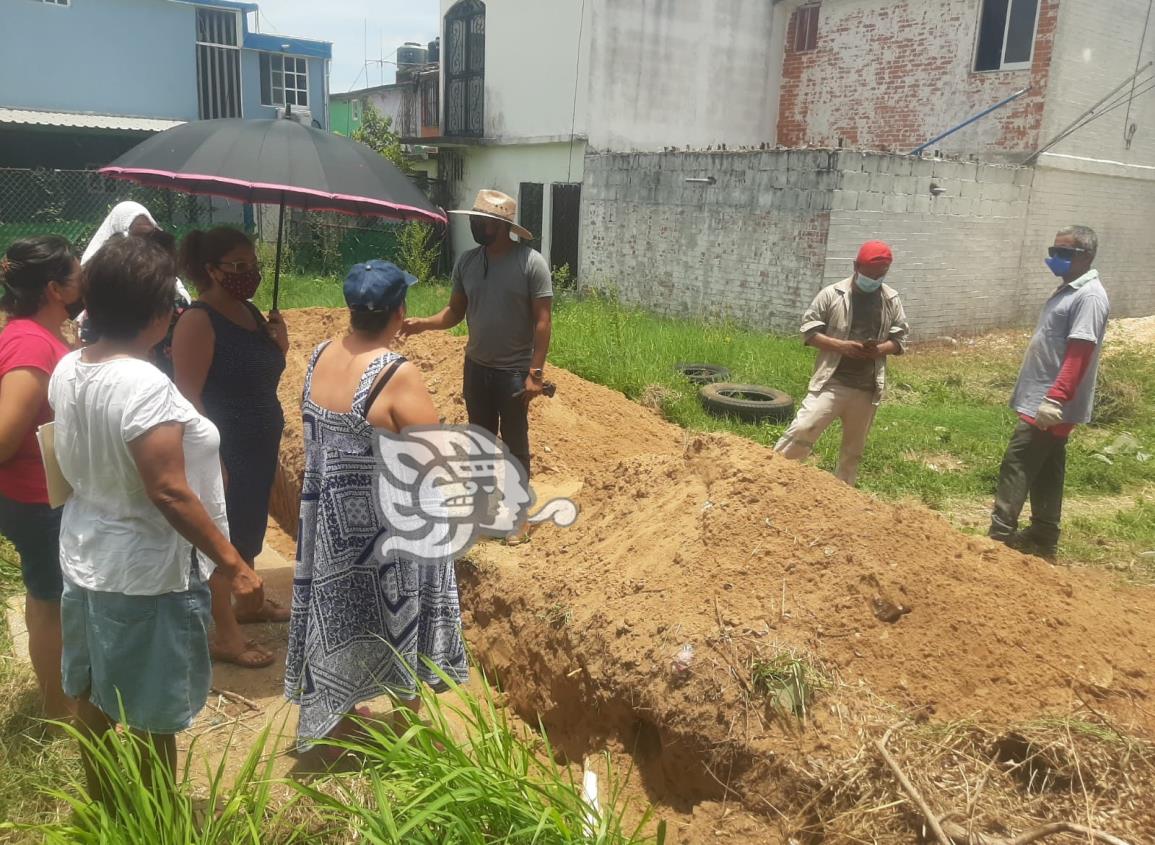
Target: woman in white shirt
145, 527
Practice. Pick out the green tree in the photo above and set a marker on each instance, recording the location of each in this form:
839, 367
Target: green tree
376, 132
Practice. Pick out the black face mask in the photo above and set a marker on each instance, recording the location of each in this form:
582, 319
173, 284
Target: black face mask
74, 309
481, 232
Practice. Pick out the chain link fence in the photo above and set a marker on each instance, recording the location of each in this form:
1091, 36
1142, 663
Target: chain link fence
73, 203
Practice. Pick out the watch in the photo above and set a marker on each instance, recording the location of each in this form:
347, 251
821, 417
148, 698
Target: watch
537, 373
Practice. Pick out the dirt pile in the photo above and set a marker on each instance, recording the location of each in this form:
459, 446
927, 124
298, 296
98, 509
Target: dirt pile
717, 543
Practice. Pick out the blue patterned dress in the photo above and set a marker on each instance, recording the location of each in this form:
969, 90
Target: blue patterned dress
362, 625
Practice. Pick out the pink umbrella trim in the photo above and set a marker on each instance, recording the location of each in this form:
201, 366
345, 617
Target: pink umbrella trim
126, 172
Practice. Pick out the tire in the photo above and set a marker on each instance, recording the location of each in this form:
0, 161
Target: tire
703, 373
747, 402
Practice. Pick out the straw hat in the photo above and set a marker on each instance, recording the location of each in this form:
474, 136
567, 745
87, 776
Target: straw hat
498, 206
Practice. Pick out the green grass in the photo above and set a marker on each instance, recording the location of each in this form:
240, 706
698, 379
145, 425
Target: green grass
939, 436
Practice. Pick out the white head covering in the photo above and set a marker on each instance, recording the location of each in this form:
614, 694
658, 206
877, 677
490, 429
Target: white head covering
117, 222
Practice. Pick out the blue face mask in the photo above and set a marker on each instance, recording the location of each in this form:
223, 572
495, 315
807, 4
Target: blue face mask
1059, 266
867, 284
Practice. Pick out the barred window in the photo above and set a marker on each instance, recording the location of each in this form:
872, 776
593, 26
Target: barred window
218, 64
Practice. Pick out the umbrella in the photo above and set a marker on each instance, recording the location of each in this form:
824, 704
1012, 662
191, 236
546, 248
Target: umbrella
277, 162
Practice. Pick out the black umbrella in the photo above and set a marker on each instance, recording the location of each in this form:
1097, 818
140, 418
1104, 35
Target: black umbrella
277, 162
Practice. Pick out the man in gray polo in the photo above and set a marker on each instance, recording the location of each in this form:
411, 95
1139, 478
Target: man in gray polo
1054, 393
504, 290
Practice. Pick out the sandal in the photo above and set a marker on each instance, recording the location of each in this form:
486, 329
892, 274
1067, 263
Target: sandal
253, 657
271, 611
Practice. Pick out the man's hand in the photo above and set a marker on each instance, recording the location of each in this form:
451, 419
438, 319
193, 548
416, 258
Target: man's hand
879, 349
533, 389
412, 326
278, 332
1050, 414
853, 349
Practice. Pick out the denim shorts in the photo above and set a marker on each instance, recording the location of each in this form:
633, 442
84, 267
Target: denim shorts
35, 532
143, 660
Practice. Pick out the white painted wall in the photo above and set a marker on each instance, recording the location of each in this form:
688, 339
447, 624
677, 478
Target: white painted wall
504, 168
1097, 46
684, 73
536, 58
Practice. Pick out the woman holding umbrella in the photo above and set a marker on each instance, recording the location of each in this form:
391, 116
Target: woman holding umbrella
227, 360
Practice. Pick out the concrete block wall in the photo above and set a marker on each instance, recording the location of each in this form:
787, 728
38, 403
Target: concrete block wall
957, 253
1119, 209
749, 247
774, 227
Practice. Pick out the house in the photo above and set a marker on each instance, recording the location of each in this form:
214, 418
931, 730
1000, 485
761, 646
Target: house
1066, 135
530, 86
81, 81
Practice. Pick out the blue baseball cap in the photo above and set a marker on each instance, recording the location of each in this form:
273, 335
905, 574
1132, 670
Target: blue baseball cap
376, 286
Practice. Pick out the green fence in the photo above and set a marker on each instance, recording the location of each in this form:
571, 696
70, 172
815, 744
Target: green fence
73, 203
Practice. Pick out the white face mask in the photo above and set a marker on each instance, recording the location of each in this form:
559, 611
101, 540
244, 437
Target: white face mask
867, 284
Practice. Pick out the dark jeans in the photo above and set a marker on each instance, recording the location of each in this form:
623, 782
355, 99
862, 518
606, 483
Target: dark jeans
1035, 464
491, 404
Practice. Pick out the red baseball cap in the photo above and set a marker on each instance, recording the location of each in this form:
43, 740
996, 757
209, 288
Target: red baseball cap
875, 253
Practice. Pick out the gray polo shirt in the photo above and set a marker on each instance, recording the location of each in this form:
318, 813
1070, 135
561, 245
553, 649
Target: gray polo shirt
1075, 311
500, 309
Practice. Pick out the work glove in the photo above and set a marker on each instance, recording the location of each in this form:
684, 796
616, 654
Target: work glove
1050, 414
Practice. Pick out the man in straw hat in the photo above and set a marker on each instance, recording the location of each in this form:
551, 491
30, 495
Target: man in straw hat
504, 290
854, 324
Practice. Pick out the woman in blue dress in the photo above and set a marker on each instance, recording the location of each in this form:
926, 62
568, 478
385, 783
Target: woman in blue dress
364, 623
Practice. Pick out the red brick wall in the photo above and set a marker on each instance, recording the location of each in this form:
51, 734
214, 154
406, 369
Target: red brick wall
892, 74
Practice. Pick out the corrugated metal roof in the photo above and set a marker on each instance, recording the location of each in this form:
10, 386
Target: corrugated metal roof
80, 120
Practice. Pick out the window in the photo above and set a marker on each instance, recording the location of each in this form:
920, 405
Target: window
429, 88
806, 29
285, 81
1006, 34
356, 109
57, 2
465, 69
218, 64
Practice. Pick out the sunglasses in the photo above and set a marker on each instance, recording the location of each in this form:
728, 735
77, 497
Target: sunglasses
1066, 252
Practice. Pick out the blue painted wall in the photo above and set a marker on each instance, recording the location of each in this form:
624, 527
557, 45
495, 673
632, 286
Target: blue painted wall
128, 57
251, 85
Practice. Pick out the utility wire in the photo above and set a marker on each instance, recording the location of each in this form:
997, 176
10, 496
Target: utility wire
576, 79
1127, 134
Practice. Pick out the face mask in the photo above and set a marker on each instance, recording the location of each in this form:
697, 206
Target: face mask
1059, 266
481, 232
241, 285
867, 284
74, 308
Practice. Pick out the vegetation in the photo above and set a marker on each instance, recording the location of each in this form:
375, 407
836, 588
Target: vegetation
376, 132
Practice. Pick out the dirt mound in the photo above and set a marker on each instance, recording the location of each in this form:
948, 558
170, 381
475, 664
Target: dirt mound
717, 543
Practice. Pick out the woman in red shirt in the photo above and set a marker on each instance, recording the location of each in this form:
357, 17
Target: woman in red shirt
41, 289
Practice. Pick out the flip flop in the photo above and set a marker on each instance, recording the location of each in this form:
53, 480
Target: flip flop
253, 657
271, 611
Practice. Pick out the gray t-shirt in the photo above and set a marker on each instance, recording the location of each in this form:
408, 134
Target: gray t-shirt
1076, 311
500, 309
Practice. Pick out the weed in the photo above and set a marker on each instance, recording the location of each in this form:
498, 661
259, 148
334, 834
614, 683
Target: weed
556, 615
790, 680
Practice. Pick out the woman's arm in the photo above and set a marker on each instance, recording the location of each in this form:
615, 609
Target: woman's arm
192, 354
159, 457
22, 395
404, 402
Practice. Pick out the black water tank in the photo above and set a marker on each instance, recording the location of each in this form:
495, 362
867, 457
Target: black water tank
433, 52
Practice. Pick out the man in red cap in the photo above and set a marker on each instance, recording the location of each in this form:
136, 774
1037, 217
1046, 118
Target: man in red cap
854, 325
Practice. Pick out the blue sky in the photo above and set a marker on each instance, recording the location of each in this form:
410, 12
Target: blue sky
390, 23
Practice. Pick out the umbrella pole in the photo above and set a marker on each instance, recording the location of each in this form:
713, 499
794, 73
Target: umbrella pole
277, 269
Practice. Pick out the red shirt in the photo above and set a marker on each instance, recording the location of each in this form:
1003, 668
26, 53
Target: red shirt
1075, 365
25, 344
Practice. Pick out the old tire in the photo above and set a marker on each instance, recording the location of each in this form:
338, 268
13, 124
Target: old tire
747, 402
703, 373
